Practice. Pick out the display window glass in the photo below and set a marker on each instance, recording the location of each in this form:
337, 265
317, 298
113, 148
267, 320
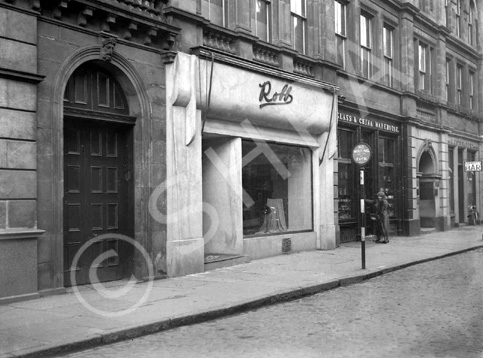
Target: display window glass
387, 180
346, 182
277, 184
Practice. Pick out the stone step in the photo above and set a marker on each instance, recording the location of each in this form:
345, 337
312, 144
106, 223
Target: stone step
214, 261
427, 230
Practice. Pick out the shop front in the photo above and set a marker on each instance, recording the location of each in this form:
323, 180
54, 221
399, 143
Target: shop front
382, 173
464, 179
262, 141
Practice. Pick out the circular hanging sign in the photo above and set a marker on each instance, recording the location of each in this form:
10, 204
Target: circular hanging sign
361, 154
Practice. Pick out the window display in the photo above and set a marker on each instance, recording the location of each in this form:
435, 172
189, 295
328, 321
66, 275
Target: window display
277, 183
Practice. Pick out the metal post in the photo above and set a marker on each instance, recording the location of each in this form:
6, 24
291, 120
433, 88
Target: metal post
363, 220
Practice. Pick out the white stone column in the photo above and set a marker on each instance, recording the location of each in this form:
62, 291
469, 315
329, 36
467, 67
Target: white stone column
184, 222
325, 198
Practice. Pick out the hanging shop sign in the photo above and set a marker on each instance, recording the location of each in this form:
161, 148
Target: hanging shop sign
361, 154
364, 122
474, 166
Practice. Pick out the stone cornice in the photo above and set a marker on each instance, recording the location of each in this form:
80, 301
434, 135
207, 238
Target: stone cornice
21, 76
209, 53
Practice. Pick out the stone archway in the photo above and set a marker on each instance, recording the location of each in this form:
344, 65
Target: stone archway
138, 102
428, 186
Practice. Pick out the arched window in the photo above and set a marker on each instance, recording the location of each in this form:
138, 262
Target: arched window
92, 88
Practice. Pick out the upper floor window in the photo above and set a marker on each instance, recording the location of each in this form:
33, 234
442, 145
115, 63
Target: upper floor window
263, 20
366, 45
446, 12
388, 49
299, 23
458, 18
340, 31
422, 51
471, 90
471, 17
448, 79
216, 11
425, 68
459, 85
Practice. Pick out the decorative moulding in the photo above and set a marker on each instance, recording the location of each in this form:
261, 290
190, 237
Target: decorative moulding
14, 234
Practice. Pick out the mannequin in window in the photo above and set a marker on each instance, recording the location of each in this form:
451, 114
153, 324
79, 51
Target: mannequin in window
274, 217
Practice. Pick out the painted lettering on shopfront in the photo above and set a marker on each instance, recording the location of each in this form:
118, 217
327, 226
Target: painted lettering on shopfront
461, 143
267, 99
367, 122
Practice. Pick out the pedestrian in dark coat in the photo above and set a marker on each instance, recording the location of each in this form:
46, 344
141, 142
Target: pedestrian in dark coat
383, 218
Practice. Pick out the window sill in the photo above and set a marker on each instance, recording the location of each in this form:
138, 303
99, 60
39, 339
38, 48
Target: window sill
17, 234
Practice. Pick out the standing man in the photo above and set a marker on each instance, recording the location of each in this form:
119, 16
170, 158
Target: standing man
383, 218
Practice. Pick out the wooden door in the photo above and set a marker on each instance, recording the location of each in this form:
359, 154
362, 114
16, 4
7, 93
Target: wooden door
97, 179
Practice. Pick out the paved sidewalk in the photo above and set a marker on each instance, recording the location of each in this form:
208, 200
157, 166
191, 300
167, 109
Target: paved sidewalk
49, 325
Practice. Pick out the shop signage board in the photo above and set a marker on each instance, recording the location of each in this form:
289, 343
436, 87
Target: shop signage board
474, 166
361, 154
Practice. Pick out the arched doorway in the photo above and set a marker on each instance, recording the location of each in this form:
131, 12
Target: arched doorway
98, 176
428, 188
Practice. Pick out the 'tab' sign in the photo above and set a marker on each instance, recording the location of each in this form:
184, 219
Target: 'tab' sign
473, 166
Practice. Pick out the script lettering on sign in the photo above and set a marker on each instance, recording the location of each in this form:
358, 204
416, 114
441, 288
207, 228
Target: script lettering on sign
266, 98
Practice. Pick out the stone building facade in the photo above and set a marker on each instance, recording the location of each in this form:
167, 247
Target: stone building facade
410, 75
163, 138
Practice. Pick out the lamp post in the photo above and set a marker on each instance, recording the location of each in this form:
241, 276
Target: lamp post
361, 155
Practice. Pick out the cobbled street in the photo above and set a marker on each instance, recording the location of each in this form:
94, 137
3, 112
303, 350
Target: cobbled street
433, 309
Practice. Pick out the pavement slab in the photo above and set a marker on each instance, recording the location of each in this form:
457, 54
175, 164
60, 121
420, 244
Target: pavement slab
89, 317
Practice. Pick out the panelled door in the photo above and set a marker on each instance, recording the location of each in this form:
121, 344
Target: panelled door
98, 185
96, 180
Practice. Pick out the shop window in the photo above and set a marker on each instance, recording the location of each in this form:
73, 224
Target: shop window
216, 11
263, 20
346, 185
387, 39
278, 188
471, 178
366, 45
299, 23
386, 167
340, 31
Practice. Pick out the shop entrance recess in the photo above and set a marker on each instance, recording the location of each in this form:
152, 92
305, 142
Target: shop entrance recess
382, 173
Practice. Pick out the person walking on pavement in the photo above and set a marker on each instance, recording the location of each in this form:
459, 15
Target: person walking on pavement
383, 218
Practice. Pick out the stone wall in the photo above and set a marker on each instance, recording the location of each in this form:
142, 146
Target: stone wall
18, 152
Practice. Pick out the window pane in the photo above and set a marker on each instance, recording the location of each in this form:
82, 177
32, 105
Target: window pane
213, 9
262, 23
297, 7
387, 39
364, 39
340, 19
341, 51
299, 34
286, 189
